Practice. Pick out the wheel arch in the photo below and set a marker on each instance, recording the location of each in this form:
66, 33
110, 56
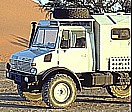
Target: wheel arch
61, 70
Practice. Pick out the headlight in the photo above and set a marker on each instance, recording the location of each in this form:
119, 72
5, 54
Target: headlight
26, 79
33, 71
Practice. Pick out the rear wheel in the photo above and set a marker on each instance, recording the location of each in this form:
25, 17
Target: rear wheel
59, 91
124, 89
29, 96
119, 91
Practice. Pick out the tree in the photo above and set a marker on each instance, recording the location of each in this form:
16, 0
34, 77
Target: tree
94, 6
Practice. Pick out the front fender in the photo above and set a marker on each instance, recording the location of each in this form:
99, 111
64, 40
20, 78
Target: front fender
61, 70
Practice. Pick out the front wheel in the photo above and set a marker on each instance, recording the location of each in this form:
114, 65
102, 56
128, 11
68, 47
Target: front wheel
59, 91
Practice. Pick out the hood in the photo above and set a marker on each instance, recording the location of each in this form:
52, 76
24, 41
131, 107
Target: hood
30, 54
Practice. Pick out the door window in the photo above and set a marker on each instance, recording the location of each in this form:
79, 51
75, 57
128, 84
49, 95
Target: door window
78, 39
73, 39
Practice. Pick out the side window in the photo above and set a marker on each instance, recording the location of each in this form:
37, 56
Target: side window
120, 33
78, 39
73, 39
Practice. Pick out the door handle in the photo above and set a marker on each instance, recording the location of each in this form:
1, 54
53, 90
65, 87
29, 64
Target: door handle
64, 51
128, 42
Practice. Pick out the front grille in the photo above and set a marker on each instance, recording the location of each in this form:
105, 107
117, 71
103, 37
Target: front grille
20, 65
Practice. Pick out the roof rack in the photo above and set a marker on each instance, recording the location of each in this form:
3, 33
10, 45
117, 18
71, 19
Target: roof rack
66, 22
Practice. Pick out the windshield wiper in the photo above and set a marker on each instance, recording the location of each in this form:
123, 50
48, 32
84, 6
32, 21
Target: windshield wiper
42, 46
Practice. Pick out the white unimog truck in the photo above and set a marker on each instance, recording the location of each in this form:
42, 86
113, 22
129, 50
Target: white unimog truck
67, 55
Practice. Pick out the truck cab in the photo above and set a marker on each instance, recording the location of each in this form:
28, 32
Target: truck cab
66, 55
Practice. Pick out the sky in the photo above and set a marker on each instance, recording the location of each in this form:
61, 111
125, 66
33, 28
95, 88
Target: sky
43, 1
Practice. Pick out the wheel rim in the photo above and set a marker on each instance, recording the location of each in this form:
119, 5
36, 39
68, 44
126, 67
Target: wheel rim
33, 96
121, 91
61, 92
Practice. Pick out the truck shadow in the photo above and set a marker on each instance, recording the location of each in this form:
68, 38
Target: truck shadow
19, 41
22, 106
14, 97
94, 96
10, 97
13, 100
100, 99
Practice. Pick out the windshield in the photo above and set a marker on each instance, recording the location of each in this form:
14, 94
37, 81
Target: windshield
45, 37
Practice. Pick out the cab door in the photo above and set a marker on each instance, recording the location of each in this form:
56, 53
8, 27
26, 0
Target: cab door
73, 53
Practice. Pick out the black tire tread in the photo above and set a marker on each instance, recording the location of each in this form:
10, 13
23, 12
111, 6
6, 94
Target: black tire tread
114, 93
20, 92
45, 89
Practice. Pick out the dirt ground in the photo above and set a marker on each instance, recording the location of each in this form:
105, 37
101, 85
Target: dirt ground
87, 101
15, 17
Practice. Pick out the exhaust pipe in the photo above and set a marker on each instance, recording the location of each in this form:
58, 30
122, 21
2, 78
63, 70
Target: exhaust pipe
32, 33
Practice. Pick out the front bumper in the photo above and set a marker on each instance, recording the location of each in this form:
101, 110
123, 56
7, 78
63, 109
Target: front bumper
22, 79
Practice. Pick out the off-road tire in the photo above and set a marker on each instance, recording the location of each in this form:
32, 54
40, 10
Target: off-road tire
29, 96
59, 91
119, 91
68, 13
